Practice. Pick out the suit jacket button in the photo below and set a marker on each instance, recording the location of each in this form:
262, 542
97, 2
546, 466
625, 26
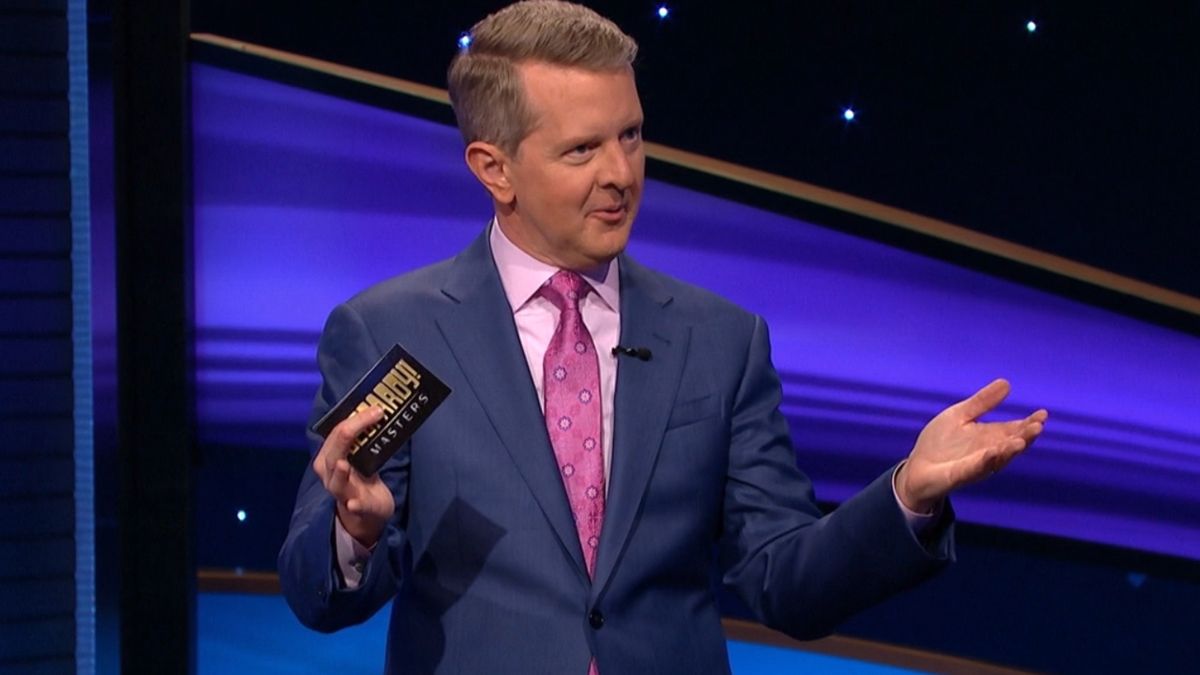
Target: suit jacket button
596, 619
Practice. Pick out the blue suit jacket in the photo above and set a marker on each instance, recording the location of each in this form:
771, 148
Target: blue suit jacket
482, 557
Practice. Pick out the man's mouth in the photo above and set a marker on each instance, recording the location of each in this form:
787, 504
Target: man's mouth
611, 214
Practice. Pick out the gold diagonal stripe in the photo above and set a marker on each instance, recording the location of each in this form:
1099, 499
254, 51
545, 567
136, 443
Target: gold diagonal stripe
908, 220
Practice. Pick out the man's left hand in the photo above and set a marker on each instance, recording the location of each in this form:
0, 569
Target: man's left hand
956, 449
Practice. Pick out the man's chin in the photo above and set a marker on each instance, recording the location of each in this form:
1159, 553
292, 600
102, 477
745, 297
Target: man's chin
613, 242
600, 255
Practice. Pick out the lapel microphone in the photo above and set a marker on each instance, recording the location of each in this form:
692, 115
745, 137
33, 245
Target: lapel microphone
640, 353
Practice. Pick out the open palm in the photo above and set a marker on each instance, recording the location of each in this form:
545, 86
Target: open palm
956, 449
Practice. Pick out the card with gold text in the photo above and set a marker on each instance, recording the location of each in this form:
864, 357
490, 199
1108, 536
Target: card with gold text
406, 392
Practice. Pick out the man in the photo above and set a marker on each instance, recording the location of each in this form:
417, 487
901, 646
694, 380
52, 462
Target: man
571, 507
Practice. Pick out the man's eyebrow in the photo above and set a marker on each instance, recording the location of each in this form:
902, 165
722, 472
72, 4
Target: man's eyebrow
578, 140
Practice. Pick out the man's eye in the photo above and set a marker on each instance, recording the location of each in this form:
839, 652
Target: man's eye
632, 134
580, 150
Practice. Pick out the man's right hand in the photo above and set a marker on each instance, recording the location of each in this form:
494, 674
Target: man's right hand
364, 504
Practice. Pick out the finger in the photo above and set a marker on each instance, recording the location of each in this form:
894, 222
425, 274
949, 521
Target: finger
343, 437
982, 401
1032, 431
995, 461
337, 445
365, 503
1014, 447
975, 468
1009, 450
318, 466
339, 480
995, 465
349, 429
1027, 428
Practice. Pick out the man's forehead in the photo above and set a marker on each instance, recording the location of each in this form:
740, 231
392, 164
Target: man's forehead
551, 88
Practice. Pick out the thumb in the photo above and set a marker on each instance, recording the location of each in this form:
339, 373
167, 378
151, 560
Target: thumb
984, 400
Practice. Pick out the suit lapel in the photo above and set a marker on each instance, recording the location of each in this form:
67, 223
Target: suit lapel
480, 331
645, 393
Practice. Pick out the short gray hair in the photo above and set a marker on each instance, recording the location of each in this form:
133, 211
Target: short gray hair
485, 87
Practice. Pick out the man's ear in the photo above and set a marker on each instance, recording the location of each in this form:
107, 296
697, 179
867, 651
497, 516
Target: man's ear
490, 165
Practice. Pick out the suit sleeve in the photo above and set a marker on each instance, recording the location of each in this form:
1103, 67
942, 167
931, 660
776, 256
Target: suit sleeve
307, 560
799, 572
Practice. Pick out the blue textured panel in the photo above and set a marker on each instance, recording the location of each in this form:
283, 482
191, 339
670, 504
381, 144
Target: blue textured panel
38, 476
52, 275
33, 316
37, 578
42, 666
34, 154
36, 7
34, 235
57, 512
49, 638
34, 33
44, 557
38, 598
51, 395
48, 194
33, 74
28, 357
84, 519
28, 436
33, 115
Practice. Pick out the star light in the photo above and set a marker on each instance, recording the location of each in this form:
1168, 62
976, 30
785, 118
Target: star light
1031, 26
663, 12
464, 40
241, 516
848, 114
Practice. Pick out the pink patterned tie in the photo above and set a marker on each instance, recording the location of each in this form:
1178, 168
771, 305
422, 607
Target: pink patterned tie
571, 386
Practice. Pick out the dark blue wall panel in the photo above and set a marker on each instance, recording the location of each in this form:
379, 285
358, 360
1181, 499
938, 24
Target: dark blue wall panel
37, 563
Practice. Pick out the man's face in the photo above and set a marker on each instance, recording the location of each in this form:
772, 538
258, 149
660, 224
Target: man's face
576, 179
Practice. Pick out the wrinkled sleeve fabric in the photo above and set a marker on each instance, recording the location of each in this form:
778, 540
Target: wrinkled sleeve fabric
798, 571
308, 565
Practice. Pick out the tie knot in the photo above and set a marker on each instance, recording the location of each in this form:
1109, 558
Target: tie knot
565, 289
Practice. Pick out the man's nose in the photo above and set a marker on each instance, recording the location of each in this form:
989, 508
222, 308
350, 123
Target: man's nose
616, 168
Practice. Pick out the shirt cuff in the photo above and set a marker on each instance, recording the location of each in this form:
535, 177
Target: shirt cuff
917, 522
351, 556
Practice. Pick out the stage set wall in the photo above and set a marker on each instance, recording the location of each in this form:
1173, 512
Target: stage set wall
46, 489
102, 328
303, 196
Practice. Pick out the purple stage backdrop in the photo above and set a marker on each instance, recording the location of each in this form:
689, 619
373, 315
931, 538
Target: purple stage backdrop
303, 199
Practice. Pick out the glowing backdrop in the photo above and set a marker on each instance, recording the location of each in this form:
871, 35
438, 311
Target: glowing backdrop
303, 199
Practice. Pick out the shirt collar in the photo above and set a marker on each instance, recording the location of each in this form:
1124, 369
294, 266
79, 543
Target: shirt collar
522, 275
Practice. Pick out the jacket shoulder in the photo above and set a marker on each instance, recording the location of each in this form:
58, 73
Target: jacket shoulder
690, 302
415, 288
